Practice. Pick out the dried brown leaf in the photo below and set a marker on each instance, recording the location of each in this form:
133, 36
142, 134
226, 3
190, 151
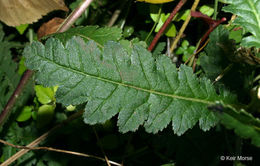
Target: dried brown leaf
49, 27
17, 12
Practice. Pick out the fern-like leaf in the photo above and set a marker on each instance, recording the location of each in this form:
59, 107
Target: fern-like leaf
248, 12
8, 76
143, 90
242, 122
99, 35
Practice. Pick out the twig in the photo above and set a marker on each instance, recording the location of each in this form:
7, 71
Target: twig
28, 73
174, 44
7, 109
116, 14
215, 9
166, 23
198, 51
155, 23
102, 150
114, 17
212, 25
57, 150
74, 16
40, 139
220, 76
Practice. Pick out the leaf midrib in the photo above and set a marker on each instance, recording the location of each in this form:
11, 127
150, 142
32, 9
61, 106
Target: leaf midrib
132, 86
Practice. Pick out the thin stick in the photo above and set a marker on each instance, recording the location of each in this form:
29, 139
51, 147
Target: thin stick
199, 50
155, 23
102, 150
215, 10
40, 139
57, 150
74, 16
25, 78
186, 22
166, 23
116, 14
114, 17
7, 109
223, 73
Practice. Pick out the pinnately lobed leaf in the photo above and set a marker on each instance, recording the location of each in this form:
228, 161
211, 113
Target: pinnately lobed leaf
98, 34
143, 90
8, 77
248, 16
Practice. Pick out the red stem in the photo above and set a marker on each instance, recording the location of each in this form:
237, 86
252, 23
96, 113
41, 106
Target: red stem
166, 23
212, 24
26, 76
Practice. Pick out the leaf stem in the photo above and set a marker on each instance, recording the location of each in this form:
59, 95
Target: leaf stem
193, 8
166, 23
215, 10
59, 150
155, 23
7, 109
74, 16
116, 14
40, 139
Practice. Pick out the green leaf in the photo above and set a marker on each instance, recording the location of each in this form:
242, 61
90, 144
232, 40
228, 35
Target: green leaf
8, 76
22, 28
99, 35
236, 35
70, 108
22, 67
128, 31
221, 59
9, 79
218, 51
25, 114
143, 90
154, 12
159, 48
19, 136
170, 30
45, 95
248, 16
243, 123
45, 115
206, 10
182, 15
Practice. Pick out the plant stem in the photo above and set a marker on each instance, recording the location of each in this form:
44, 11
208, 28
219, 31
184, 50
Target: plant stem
58, 150
40, 139
101, 147
166, 23
155, 23
25, 78
211, 28
28, 73
116, 14
74, 16
30, 35
215, 10
193, 8
7, 109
